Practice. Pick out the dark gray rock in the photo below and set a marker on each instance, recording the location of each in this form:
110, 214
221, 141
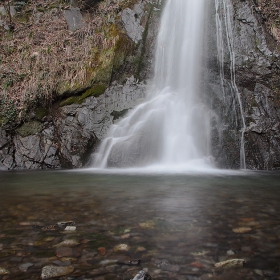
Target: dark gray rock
68, 140
74, 18
255, 57
81, 126
24, 267
6, 151
36, 151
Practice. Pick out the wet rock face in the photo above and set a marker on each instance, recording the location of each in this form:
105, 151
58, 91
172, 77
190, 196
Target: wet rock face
256, 69
263, 126
31, 151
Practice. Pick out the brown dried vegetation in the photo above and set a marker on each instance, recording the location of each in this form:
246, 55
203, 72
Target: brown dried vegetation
41, 60
270, 12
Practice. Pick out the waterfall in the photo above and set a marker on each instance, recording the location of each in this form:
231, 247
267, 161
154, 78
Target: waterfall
224, 27
172, 128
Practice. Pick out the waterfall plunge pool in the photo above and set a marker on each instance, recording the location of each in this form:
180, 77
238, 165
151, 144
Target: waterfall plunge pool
179, 226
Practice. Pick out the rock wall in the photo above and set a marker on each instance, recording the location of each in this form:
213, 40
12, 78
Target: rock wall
255, 53
65, 134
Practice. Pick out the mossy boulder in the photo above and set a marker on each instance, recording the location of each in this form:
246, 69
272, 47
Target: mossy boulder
29, 128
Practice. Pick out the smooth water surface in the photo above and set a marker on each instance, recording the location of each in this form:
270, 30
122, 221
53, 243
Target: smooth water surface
179, 226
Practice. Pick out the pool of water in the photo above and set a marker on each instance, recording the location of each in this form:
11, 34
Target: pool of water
173, 226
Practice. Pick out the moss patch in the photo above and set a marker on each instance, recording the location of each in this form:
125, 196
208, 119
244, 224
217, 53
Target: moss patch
69, 101
29, 128
8, 112
124, 48
104, 72
41, 112
94, 91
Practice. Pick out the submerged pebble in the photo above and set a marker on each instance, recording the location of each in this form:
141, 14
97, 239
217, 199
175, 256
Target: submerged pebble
67, 242
242, 229
70, 228
24, 267
52, 271
230, 263
102, 251
142, 275
230, 252
147, 225
121, 248
4, 271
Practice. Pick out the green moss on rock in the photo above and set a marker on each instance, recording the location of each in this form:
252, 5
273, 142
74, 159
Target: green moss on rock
94, 91
103, 73
41, 112
69, 101
29, 128
124, 48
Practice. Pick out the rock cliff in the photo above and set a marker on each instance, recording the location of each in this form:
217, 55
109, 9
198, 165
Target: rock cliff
245, 87
86, 64
68, 71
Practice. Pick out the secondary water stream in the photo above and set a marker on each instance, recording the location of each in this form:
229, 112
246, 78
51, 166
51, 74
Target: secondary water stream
224, 29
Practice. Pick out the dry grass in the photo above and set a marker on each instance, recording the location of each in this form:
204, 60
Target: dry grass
270, 11
41, 54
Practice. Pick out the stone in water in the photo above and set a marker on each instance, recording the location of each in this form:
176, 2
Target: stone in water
121, 248
230, 263
23, 267
70, 228
52, 271
142, 275
242, 229
4, 271
68, 243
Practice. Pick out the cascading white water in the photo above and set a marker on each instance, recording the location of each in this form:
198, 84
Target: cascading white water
172, 127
